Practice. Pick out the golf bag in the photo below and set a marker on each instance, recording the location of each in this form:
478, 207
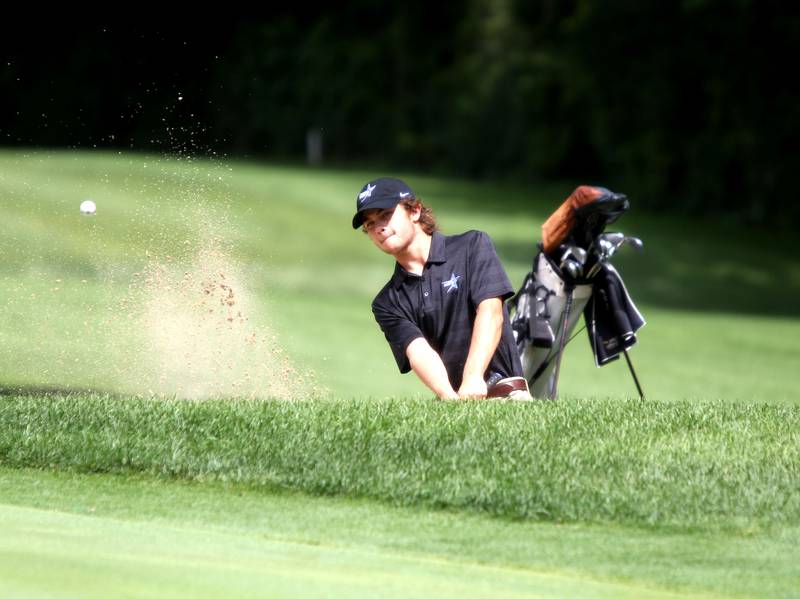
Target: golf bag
572, 276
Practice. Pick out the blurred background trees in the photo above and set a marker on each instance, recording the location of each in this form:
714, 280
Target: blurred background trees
688, 106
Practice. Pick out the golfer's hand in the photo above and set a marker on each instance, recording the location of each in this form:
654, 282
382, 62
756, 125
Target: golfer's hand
472, 388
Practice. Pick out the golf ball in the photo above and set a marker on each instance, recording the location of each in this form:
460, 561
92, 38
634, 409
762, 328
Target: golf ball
88, 207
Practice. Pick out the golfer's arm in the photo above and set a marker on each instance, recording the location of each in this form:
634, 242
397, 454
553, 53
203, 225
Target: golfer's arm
485, 337
428, 366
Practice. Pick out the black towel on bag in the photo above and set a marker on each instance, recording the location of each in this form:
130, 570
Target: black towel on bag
611, 317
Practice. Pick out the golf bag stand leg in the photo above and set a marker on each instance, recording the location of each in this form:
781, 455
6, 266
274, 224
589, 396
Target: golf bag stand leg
565, 331
633, 374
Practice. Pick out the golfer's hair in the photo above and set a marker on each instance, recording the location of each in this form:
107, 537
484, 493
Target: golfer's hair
426, 218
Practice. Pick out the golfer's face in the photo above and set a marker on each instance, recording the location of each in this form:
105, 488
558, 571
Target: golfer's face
391, 229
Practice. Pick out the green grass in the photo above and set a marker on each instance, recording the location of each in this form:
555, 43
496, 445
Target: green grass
721, 303
692, 491
99, 535
674, 465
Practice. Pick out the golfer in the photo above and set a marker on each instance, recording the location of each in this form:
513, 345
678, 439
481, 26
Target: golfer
443, 310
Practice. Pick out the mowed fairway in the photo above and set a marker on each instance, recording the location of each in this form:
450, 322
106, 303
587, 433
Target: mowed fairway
211, 279
92, 536
95, 557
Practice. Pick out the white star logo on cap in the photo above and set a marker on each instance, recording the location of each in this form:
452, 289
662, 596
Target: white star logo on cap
362, 197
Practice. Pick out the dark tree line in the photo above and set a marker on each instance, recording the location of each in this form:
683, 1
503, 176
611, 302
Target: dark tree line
690, 106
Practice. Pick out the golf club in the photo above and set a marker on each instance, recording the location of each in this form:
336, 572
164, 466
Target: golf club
607, 244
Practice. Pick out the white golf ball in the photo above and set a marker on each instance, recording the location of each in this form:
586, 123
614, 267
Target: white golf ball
88, 207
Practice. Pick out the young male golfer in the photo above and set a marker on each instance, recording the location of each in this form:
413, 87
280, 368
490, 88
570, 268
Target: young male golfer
443, 310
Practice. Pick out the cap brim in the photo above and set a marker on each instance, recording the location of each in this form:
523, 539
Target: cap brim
358, 219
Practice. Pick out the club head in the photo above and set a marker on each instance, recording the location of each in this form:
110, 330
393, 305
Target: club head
571, 269
567, 251
580, 255
604, 249
607, 244
635, 243
615, 238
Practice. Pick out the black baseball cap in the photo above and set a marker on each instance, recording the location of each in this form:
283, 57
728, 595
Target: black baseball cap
385, 192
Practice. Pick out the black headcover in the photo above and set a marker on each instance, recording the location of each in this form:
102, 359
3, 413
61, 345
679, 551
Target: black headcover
592, 219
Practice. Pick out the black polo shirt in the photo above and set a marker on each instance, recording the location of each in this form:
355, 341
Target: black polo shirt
440, 305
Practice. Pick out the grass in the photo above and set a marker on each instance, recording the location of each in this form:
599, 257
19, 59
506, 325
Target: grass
720, 327
108, 482
674, 465
102, 535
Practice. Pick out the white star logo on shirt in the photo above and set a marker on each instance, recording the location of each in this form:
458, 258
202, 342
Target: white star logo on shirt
452, 284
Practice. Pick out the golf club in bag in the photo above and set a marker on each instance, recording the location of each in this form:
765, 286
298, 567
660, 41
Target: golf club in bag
572, 275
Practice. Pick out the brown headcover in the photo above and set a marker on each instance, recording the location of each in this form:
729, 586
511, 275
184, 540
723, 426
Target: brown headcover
558, 226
